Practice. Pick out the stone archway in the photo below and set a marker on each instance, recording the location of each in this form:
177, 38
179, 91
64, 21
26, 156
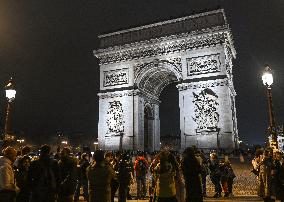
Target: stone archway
137, 64
151, 78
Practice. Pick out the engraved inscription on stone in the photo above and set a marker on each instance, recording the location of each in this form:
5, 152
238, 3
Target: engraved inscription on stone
115, 119
205, 110
116, 77
204, 64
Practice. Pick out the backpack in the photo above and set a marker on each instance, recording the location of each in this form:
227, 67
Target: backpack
141, 167
124, 171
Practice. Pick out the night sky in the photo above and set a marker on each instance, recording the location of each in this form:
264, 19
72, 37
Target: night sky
47, 47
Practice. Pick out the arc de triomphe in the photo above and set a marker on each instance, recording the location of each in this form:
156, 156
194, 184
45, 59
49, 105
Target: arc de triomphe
136, 64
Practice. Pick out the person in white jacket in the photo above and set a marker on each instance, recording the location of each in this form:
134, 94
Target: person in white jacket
8, 188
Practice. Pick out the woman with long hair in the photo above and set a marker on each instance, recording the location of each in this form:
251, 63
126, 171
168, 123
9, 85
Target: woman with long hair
192, 175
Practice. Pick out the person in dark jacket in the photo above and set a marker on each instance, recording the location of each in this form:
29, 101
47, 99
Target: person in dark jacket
43, 177
266, 176
224, 177
112, 161
21, 175
82, 178
279, 167
124, 177
215, 174
67, 176
205, 172
100, 175
192, 175
230, 178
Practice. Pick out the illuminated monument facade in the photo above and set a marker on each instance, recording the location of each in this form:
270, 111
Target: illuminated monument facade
196, 52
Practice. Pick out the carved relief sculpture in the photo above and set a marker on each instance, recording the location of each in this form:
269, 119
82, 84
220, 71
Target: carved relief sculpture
203, 64
116, 77
115, 119
193, 52
174, 61
205, 109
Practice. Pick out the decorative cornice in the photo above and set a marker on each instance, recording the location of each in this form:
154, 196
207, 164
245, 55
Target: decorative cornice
203, 84
164, 45
116, 94
135, 92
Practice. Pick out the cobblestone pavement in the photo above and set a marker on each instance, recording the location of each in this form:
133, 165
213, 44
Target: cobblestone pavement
244, 189
245, 183
237, 198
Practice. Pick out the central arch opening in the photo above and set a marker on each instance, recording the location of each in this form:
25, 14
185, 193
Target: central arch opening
170, 116
157, 82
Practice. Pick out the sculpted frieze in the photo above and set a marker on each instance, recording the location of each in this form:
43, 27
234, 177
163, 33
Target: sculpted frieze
206, 116
177, 45
116, 77
115, 119
203, 84
203, 64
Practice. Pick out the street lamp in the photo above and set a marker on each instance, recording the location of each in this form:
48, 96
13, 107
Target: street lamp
10, 95
21, 141
96, 145
64, 142
267, 79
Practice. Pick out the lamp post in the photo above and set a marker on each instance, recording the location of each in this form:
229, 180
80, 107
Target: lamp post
10, 95
267, 79
21, 142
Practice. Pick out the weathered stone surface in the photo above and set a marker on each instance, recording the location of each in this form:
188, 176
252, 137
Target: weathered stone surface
133, 73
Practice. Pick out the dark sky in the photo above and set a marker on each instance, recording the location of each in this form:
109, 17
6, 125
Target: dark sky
47, 47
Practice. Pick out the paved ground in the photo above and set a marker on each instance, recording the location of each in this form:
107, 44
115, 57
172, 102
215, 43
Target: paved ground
245, 184
236, 198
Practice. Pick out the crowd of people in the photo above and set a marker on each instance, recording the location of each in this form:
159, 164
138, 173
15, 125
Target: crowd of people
166, 176
268, 166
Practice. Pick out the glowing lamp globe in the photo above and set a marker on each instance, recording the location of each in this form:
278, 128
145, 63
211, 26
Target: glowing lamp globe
10, 90
267, 77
